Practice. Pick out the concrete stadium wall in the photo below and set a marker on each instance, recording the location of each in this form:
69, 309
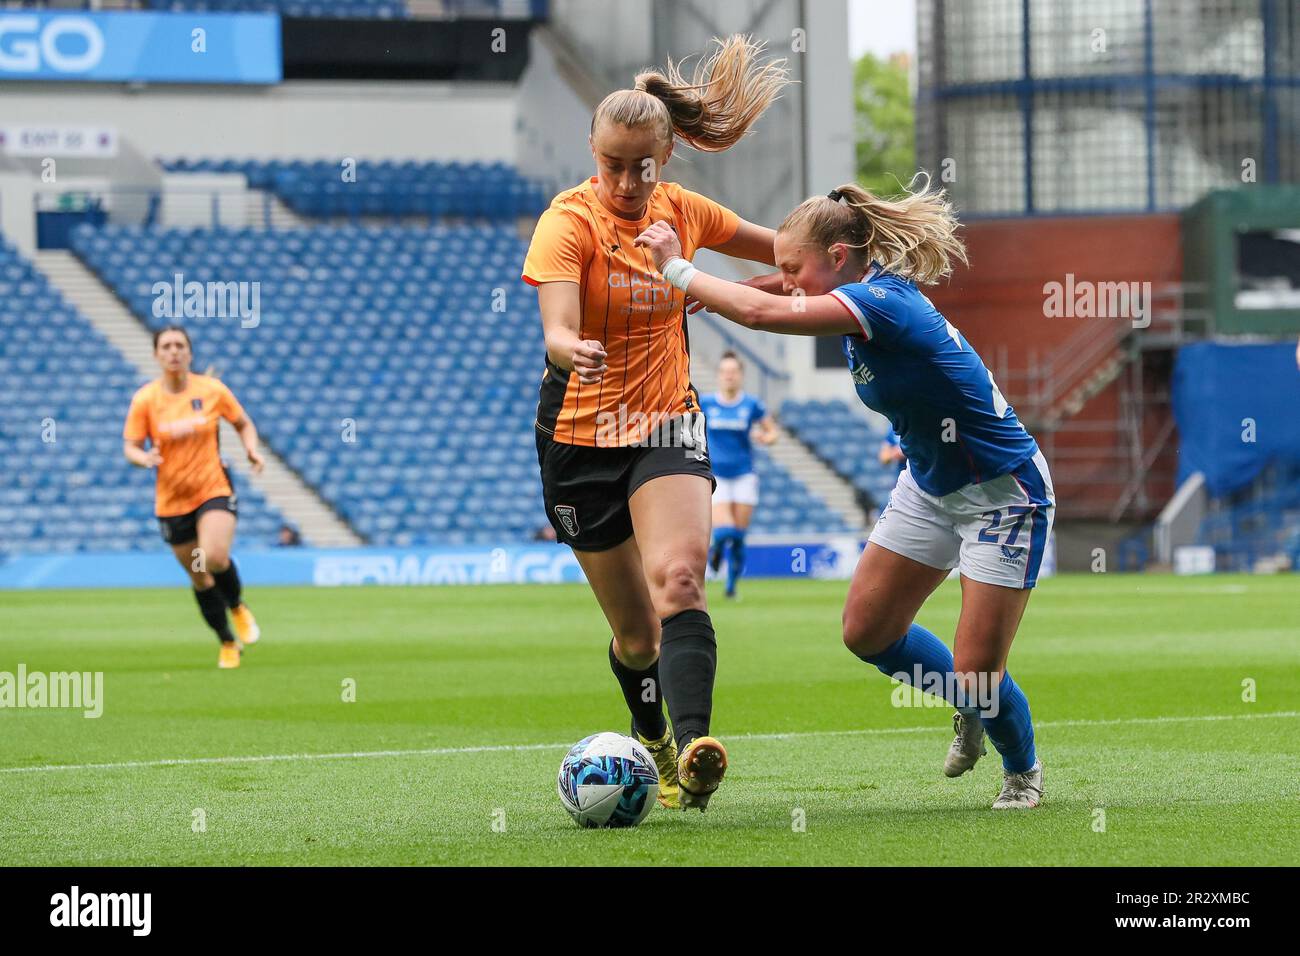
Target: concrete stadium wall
304, 119
295, 120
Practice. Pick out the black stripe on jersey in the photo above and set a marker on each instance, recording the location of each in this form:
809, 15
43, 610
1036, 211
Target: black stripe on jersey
681, 217
550, 399
686, 347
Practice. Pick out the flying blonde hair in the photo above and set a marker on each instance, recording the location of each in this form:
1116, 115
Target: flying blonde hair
726, 93
914, 236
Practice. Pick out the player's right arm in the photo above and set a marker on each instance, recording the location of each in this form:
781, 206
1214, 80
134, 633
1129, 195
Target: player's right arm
723, 231
135, 433
748, 306
562, 327
555, 264
140, 456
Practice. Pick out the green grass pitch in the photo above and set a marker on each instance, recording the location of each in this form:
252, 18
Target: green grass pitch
467, 697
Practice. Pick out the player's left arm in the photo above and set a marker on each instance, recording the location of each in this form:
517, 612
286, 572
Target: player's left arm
234, 413
716, 227
765, 432
750, 241
248, 435
750, 307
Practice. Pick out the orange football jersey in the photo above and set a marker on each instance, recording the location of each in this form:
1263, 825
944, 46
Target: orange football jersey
183, 427
626, 305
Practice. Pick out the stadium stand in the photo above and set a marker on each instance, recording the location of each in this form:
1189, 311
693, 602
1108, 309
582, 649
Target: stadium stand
64, 392
1261, 522
463, 375
359, 380
786, 506
492, 191
845, 441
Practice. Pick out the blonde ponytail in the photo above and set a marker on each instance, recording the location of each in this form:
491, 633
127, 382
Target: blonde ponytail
711, 111
914, 236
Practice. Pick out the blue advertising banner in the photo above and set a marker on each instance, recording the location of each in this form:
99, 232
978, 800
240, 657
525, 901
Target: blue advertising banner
1235, 405
353, 567
521, 564
141, 47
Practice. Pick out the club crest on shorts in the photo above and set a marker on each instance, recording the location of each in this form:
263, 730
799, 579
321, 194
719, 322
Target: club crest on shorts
568, 516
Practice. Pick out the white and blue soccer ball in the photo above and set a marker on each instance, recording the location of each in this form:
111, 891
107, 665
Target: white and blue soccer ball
608, 780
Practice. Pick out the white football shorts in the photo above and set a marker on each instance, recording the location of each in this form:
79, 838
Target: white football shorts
994, 532
742, 490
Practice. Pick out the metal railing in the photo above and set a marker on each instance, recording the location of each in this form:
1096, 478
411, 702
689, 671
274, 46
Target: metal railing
771, 383
1043, 388
169, 208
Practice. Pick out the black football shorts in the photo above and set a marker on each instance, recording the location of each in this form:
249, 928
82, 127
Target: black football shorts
586, 489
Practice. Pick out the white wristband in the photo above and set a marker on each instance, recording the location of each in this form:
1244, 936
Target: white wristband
679, 272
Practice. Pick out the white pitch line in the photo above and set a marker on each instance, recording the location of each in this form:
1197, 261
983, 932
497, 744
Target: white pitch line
519, 748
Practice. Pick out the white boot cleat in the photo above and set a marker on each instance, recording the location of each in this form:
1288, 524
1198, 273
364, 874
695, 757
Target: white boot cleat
967, 747
1021, 791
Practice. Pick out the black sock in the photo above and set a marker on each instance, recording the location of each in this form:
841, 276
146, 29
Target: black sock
641, 691
228, 584
213, 607
688, 659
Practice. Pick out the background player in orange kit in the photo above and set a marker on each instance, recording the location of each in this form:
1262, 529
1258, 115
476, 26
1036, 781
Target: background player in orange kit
179, 413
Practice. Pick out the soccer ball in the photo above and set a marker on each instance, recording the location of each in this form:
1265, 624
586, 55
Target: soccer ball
608, 780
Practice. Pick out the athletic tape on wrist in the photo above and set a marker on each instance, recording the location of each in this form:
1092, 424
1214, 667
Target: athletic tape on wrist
679, 272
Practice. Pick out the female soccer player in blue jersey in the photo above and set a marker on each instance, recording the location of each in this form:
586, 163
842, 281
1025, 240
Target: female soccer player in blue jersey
733, 416
976, 493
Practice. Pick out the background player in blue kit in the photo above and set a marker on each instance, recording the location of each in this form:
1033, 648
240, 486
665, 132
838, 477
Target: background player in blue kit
891, 452
976, 493
733, 418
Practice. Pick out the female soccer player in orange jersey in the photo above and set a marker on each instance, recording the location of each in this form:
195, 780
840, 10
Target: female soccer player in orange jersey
620, 439
178, 413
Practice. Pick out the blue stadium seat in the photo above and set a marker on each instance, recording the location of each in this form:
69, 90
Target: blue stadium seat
358, 375
385, 188
847, 443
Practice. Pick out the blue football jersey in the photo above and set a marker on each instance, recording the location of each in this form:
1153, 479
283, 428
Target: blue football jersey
727, 432
914, 367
